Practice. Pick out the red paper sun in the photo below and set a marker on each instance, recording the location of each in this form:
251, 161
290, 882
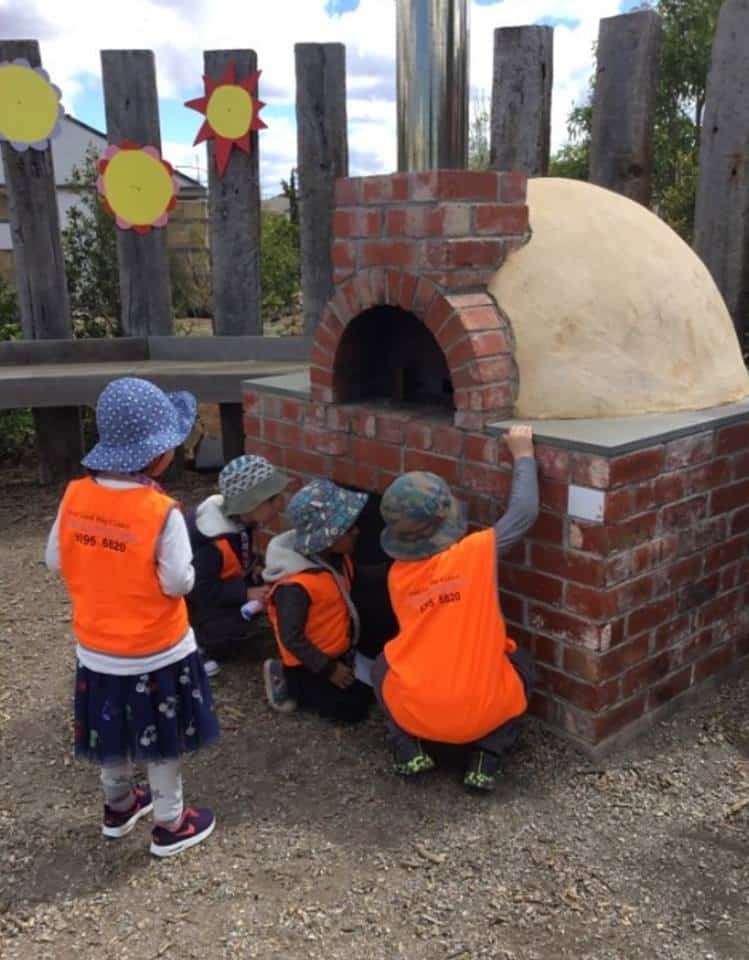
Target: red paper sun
232, 112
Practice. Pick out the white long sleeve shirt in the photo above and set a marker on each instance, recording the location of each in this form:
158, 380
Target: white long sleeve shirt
176, 575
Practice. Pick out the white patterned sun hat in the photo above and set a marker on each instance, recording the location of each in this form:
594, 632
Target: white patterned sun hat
248, 481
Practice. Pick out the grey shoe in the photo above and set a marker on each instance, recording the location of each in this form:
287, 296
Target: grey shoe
275, 687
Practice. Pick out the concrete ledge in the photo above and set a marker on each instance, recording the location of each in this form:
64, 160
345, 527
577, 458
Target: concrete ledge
295, 384
611, 436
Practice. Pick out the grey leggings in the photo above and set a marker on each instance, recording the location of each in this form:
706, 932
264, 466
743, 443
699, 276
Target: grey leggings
164, 779
498, 741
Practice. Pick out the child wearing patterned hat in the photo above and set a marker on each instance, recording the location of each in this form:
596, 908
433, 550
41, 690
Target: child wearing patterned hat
452, 674
121, 545
228, 573
315, 622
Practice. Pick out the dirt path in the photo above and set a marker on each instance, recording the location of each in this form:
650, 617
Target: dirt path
321, 853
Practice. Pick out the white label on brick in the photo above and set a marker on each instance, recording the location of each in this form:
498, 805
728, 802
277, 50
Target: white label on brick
585, 503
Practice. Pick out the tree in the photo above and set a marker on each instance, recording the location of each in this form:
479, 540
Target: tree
289, 190
89, 246
279, 265
573, 159
479, 152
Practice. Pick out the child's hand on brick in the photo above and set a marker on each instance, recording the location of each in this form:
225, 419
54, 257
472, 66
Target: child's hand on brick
519, 441
342, 676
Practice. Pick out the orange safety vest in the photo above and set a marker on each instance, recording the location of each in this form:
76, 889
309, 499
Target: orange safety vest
108, 557
328, 620
230, 565
449, 676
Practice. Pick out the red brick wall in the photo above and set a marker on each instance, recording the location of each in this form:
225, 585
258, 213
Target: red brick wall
425, 242
622, 616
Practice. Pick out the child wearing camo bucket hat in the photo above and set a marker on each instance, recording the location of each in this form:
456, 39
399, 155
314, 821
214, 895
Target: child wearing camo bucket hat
121, 545
452, 675
228, 572
315, 622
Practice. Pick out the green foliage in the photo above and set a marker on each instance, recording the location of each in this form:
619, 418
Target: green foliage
190, 274
90, 248
688, 34
289, 190
479, 149
279, 265
16, 426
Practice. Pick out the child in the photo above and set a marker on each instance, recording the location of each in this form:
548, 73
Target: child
227, 572
315, 622
452, 674
121, 545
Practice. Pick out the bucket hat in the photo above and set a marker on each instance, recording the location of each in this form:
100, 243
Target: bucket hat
247, 481
322, 512
421, 516
137, 422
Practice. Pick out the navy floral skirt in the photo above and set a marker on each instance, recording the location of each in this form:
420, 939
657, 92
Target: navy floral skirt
151, 717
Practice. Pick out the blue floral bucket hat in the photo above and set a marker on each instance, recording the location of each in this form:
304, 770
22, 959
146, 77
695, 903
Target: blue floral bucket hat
137, 422
421, 516
322, 512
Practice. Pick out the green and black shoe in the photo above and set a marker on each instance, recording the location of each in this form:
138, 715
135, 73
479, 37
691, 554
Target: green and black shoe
481, 775
418, 763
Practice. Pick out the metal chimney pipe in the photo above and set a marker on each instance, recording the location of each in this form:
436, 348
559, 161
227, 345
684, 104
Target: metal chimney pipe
432, 80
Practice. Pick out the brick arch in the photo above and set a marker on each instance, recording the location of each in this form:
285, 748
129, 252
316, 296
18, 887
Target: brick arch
473, 334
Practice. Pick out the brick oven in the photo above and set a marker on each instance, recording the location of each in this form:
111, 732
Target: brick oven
631, 589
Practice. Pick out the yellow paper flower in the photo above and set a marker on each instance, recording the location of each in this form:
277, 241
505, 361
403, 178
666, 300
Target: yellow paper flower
138, 186
30, 108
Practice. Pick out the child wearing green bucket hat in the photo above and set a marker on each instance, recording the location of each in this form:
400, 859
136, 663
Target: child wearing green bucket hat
121, 545
452, 675
228, 572
315, 622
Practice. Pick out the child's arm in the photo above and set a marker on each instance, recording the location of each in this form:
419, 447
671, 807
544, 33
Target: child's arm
292, 608
174, 557
52, 550
522, 507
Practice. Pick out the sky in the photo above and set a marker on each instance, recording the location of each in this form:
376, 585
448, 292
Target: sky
72, 32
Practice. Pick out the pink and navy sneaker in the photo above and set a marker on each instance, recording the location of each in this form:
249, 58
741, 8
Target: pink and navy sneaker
118, 823
196, 824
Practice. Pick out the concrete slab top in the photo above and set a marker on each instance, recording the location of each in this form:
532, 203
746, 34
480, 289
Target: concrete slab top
295, 384
76, 384
616, 435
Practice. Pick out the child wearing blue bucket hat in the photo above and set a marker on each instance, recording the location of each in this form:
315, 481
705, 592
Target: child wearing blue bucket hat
315, 622
121, 545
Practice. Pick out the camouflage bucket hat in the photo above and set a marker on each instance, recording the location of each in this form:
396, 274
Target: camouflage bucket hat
322, 512
248, 481
422, 517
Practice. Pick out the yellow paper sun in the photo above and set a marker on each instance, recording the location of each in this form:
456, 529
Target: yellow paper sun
30, 108
231, 112
138, 187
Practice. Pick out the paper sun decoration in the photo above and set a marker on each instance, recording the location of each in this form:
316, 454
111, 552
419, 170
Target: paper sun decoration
30, 108
232, 112
138, 187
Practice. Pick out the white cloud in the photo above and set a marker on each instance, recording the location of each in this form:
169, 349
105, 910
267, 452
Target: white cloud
178, 31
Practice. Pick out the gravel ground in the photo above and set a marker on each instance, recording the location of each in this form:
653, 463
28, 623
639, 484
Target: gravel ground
321, 853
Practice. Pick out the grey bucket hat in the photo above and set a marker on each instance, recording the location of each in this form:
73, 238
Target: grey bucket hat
421, 516
248, 481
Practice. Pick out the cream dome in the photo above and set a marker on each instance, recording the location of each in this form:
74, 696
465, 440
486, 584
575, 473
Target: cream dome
613, 314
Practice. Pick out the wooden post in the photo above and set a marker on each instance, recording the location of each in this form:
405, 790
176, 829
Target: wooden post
234, 219
621, 152
132, 110
40, 278
322, 157
521, 99
721, 229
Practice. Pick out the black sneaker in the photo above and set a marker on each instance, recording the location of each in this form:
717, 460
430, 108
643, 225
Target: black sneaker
418, 762
118, 823
481, 775
194, 826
